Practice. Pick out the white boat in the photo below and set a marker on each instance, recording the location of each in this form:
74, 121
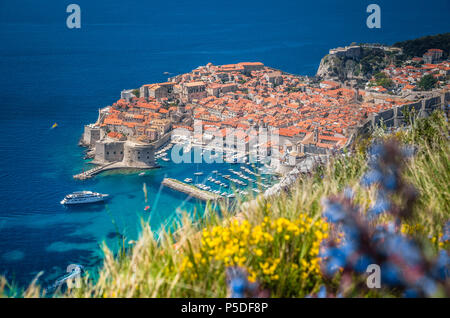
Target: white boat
165, 159
198, 173
188, 180
142, 174
82, 197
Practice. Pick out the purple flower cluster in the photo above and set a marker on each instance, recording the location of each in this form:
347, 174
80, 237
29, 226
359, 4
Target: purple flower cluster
356, 241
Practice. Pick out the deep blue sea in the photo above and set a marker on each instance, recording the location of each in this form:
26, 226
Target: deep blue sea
49, 73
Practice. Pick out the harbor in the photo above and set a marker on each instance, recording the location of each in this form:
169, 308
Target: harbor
102, 168
190, 190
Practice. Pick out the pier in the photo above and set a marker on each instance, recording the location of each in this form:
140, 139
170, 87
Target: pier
92, 172
190, 190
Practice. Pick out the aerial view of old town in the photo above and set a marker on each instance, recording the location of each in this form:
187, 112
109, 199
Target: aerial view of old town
183, 150
230, 105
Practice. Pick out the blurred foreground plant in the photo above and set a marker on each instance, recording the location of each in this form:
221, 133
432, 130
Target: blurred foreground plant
358, 239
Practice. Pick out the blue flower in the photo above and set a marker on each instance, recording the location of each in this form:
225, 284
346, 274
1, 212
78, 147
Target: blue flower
237, 282
377, 150
390, 181
334, 212
411, 293
441, 269
382, 204
322, 292
371, 177
379, 235
427, 285
237, 287
362, 263
391, 274
335, 259
352, 233
405, 248
391, 227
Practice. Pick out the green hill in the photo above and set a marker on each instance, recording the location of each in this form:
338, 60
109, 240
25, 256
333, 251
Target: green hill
418, 47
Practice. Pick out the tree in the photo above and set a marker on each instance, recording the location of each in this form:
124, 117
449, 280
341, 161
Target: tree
419, 46
427, 82
382, 79
136, 92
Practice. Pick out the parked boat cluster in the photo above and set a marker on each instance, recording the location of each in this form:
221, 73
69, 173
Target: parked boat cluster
234, 180
162, 153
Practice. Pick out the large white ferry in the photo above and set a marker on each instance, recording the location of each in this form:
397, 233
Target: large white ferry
81, 197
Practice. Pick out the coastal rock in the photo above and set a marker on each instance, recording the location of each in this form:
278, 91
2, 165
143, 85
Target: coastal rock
357, 62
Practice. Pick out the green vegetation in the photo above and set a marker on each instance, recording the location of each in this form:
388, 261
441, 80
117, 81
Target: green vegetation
372, 61
418, 47
381, 79
275, 239
427, 82
136, 92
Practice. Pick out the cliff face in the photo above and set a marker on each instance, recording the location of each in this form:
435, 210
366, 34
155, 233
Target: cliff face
356, 63
332, 66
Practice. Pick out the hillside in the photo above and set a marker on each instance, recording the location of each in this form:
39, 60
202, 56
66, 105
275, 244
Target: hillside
359, 65
361, 62
275, 243
418, 47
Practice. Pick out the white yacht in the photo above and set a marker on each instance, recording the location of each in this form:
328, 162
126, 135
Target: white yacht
81, 197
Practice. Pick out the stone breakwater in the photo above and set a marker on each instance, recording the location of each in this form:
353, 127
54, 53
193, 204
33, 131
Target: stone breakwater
190, 190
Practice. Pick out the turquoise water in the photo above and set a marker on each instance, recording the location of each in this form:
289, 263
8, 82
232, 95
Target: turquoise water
52, 74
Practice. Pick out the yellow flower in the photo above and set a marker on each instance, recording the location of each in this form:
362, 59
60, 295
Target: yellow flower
319, 235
